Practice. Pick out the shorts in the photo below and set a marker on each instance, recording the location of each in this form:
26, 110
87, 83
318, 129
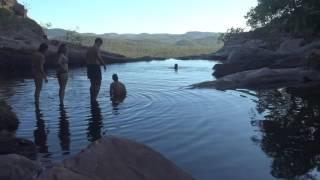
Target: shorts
94, 72
62, 76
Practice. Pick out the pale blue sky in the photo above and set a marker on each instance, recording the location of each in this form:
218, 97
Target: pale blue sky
141, 16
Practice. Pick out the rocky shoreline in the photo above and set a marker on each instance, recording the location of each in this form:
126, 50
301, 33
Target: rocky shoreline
249, 62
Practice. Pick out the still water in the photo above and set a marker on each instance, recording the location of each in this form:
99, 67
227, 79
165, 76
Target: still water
210, 134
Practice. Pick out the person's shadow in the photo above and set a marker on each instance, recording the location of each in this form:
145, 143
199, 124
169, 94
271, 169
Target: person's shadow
40, 134
95, 123
64, 131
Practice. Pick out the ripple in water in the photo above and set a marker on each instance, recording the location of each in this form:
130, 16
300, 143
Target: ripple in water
206, 132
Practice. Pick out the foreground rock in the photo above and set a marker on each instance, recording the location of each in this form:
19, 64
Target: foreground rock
8, 121
116, 159
15, 167
265, 78
9, 144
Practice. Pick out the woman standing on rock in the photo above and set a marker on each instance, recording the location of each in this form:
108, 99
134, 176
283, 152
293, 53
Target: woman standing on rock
62, 70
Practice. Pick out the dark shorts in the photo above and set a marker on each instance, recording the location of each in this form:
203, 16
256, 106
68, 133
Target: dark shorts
94, 72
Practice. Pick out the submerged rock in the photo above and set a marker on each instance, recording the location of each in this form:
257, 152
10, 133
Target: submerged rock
15, 167
117, 159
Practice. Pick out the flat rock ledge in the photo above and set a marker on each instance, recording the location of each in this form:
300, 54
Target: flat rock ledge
110, 158
265, 78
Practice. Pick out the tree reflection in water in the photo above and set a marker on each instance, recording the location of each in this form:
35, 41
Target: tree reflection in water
290, 131
95, 123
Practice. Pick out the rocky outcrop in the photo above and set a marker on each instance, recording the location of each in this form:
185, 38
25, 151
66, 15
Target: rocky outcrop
8, 121
115, 158
253, 54
13, 6
265, 78
15, 167
9, 144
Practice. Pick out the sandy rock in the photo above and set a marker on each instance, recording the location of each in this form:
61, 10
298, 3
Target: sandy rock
15, 167
118, 159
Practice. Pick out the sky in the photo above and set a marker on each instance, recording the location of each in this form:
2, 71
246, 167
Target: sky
140, 16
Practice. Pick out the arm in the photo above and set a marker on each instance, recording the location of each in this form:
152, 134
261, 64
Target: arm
44, 76
101, 60
111, 90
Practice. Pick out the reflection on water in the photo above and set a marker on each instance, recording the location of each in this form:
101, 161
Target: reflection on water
94, 122
290, 132
64, 131
40, 134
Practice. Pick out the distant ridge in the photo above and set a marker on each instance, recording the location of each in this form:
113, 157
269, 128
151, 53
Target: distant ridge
145, 44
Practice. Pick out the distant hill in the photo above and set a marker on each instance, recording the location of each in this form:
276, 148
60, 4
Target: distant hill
153, 45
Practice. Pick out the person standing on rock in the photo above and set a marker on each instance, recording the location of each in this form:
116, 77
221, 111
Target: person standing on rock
94, 61
62, 71
38, 73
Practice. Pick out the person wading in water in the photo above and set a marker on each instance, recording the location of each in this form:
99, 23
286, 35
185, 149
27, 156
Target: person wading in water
62, 70
94, 61
38, 73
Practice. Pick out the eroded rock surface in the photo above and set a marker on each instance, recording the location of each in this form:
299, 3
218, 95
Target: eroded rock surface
116, 159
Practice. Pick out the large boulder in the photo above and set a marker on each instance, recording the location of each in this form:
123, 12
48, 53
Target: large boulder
61, 173
18, 146
116, 159
15, 167
264, 78
9, 144
249, 55
291, 45
8, 120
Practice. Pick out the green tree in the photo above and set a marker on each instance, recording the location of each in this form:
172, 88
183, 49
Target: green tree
295, 15
230, 34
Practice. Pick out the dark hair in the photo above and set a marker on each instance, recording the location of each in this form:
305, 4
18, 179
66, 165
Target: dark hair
62, 49
98, 41
115, 77
43, 47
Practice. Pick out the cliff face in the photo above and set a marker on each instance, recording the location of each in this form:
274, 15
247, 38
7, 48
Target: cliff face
16, 29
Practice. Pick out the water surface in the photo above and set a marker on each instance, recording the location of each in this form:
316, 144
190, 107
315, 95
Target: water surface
210, 134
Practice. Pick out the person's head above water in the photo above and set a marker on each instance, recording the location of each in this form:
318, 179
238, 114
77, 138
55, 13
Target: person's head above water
176, 66
43, 48
115, 77
62, 49
98, 42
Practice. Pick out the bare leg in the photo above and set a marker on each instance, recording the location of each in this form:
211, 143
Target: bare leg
38, 84
63, 79
95, 88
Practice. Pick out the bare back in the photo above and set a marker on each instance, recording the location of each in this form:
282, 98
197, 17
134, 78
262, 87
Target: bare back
38, 61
